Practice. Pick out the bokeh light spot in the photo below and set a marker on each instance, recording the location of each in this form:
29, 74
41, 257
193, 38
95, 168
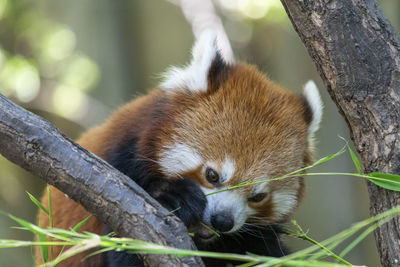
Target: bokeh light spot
3, 8
68, 101
81, 73
253, 9
21, 78
59, 44
27, 84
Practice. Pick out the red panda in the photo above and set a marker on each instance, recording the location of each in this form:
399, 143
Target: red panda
211, 125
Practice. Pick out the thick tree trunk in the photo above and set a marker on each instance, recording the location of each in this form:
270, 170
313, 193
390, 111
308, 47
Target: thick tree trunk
358, 56
37, 146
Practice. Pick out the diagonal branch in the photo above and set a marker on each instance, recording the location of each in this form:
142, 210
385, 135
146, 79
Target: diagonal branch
34, 144
358, 57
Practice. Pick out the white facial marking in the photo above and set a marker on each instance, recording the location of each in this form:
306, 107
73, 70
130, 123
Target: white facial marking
314, 100
228, 169
212, 165
194, 76
284, 202
261, 187
227, 202
179, 158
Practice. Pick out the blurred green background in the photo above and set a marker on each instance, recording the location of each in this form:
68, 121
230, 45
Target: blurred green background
75, 61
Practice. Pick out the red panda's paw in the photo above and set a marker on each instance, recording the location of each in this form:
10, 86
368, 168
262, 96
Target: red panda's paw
183, 197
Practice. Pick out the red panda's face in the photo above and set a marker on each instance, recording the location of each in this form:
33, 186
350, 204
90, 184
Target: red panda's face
235, 126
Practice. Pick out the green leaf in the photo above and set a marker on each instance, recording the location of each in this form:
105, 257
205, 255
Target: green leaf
50, 216
63, 234
98, 252
37, 203
44, 250
80, 224
355, 160
19, 228
178, 208
50, 207
329, 157
31, 227
111, 234
385, 180
9, 243
210, 229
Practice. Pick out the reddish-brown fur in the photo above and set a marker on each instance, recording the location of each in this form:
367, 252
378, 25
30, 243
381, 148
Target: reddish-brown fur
254, 121
251, 119
66, 212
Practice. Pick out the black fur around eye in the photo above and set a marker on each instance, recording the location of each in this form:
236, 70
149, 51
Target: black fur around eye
257, 198
212, 176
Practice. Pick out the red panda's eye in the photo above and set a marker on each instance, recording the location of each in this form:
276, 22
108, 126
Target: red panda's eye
257, 198
212, 176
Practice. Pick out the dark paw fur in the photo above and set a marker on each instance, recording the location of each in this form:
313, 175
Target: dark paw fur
182, 196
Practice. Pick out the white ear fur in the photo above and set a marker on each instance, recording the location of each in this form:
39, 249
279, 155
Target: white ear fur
194, 76
314, 100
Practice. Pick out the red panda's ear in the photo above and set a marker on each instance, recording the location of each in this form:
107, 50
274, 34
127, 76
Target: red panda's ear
195, 76
315, 106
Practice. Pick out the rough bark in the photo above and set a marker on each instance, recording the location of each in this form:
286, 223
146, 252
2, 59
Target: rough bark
34, 144
358, 57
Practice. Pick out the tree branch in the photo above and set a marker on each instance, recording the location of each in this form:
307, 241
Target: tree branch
358, 57
34, 144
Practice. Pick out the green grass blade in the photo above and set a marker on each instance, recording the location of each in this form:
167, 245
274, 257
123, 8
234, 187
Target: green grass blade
304, 236
74, 250
50, 207
175, 210
50, 217
36, 229
99, 252
31, 227
327, 158
44, 250
355, 242
335, 240
210, 229
291, 174
385, 180
19, 228
356, 162
363, 235
9, 243
81, 223
37, 203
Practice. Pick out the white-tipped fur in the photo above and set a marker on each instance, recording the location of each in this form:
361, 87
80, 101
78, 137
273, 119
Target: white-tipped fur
284, 203
194, 76
228, 169
261, 187
179, 158
314, 100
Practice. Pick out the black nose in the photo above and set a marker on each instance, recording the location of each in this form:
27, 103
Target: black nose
222, 222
